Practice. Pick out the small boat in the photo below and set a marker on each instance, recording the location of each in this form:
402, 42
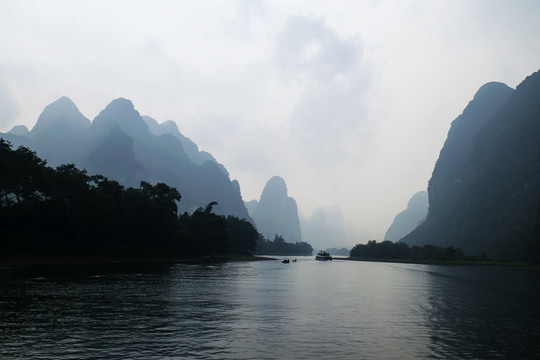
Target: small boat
323, 255
285, 261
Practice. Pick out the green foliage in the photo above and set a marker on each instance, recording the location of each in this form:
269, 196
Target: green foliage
64, 211
279, 247
388, 250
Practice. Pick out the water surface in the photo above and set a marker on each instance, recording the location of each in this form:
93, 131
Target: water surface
269, 310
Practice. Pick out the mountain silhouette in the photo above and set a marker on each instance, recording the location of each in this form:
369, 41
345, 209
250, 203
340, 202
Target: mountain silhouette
58, 135
325, 228
485, 198
407, 220
19, 130
119, 144
121, 113
192, 150
276, 213
60, 118
114, 158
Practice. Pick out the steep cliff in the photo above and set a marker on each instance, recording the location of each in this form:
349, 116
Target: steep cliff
409, 219
276, 213
485, 189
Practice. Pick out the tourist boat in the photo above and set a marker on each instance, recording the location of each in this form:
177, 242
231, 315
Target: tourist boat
323, 255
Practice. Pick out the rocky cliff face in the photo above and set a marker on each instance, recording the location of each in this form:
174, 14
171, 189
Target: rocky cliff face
449, 171
191, 149
409, 219
485, 189
276, 213
119, 144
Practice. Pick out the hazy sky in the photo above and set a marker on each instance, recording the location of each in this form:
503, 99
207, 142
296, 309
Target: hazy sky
349, 101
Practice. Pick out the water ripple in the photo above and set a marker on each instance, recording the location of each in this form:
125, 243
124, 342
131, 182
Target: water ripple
267, 310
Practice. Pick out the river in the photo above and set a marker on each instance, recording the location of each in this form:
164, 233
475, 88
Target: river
268, 310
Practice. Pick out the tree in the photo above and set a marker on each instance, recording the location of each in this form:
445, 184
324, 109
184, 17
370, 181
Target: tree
163, 195
206, 231
394, 251
242, 236
64, 211
280, 247
22, 175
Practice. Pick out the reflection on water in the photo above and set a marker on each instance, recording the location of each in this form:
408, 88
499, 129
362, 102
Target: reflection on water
269, 310
484, 313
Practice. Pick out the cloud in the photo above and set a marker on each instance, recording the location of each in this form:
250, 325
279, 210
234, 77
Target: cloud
333, 81
302, 114
307, 47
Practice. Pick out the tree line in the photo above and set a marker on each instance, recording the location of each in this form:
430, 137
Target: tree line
389, 250
64, 211
279, 247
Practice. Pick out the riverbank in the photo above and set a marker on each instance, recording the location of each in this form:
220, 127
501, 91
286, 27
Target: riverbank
28, 260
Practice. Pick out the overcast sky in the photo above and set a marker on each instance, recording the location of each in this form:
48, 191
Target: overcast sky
349, 101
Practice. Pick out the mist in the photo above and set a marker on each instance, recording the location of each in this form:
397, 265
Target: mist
349, 102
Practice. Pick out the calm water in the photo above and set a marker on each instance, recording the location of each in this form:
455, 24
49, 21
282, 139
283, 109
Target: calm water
269, 310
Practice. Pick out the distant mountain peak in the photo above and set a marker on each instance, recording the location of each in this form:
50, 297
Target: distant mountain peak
61, 105
485, 104
19, 130
325, 228
122, 107
61, 114
122, 114
192, 150
157, 129
121, 101
275, 187
488, 89
170, 127
277, 213
409, 219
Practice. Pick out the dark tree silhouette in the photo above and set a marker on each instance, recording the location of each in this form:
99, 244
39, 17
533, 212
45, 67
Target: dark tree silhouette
388, 250
64, 211
280, 247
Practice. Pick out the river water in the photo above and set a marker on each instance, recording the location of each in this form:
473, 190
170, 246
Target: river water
268, 310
